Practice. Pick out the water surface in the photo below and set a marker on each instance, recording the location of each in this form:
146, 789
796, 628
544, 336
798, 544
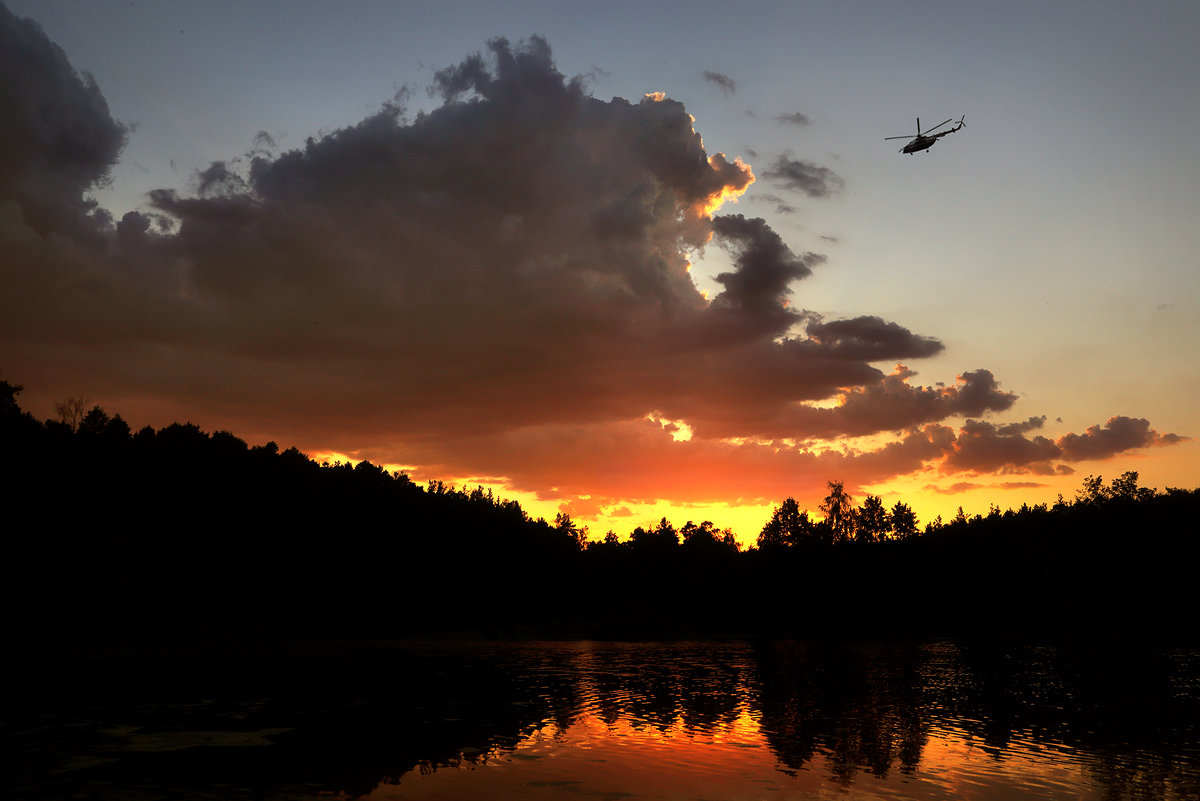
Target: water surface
698, 720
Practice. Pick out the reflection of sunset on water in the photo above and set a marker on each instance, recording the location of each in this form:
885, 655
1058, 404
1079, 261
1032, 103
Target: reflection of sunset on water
693, 721
629, 759
784, 721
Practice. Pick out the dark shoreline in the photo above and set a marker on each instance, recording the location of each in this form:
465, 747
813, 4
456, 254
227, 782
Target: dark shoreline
176, 533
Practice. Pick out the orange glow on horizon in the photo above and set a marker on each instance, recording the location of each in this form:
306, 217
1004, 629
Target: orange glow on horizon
928, 492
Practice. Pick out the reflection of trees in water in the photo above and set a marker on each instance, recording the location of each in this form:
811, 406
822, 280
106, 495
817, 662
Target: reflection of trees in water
359, 716
859, 708
1146, 776
703, 687
1130, 715
1130, 711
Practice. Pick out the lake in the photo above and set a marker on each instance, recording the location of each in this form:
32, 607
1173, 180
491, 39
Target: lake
591, 720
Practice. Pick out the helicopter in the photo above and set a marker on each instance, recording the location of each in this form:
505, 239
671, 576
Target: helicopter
925, 139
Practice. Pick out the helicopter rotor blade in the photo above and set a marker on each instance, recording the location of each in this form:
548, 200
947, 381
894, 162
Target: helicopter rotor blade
906, 136
939, 125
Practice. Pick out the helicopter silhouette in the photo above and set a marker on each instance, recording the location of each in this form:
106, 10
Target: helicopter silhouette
925, 139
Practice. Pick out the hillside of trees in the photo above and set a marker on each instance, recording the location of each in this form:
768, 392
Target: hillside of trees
115, 533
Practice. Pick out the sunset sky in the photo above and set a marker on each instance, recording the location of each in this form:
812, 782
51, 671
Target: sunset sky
623, 260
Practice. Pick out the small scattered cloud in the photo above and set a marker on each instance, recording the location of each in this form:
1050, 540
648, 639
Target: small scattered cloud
781, 206
871, 339
959, 487
1032, 424
956, 488
981, 447
582, 507
1118, 435
794, 118
722, 81
984, 447
803, 176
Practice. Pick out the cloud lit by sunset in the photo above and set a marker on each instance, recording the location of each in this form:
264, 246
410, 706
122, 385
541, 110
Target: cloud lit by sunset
522, 284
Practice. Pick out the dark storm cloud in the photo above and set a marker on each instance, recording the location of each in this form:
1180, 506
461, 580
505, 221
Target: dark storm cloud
57, 139
806, 177
498, 287
724, 82
794, 118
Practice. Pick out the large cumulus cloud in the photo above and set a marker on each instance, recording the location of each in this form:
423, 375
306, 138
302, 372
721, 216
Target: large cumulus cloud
57, 139
499, 287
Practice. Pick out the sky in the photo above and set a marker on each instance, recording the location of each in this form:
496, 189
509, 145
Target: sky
624, 261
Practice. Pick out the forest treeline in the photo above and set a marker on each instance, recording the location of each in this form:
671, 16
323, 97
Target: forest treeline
111, 532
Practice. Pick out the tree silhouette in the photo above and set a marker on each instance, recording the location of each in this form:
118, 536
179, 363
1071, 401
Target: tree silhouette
1093, 491
871, 521
224, 536
1126, 488
8, 399
663, 537
904, 521
788, 526
706, 539
71, 411
565, 525
838, 508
